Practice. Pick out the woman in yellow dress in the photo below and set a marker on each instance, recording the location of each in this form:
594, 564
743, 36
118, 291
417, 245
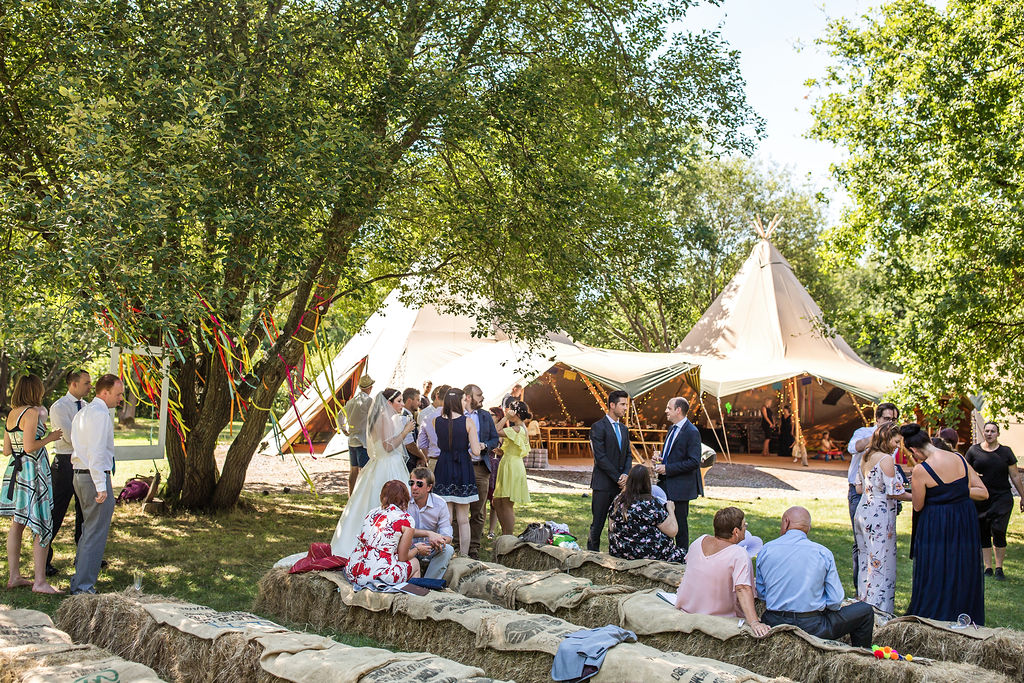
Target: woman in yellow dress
511, 487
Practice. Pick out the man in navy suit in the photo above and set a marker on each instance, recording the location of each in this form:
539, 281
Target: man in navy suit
488, 435
680, 465
609, 439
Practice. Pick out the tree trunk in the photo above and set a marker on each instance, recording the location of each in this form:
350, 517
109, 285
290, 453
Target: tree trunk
200, 472
5, 381
131, 404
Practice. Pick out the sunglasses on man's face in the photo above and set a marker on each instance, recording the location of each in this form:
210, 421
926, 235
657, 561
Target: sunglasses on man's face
417, 484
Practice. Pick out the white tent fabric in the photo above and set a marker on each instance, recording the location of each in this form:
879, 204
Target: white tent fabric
764, 327
404, 346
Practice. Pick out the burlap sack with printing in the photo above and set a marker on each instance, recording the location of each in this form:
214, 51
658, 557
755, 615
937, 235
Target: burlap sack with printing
206, 623
645, 613
515, 587
505, 630
32, 650
308, 658
668, 573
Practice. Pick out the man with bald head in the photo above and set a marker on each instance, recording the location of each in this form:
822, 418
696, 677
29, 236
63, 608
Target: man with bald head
800, 585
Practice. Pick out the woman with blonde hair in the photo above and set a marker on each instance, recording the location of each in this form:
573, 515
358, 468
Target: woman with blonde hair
26, 496
875, 519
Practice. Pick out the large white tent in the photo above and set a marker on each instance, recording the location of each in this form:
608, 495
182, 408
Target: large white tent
764, 327
404, 346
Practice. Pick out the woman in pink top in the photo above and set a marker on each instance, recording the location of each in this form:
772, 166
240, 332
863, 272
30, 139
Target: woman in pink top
718, 580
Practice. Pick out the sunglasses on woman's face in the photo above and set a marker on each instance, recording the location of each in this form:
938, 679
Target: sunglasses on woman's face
417, 484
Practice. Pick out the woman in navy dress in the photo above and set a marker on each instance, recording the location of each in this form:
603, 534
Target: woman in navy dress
454, 479
948, 578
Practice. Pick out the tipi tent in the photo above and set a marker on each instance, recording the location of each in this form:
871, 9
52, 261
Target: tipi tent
404, 346
764, 327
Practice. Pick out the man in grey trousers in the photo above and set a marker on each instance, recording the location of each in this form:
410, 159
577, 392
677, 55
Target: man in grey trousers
92, 439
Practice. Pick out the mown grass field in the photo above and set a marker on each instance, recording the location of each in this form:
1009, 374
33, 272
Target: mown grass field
217, 560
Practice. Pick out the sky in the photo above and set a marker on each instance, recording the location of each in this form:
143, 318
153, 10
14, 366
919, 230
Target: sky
776, 40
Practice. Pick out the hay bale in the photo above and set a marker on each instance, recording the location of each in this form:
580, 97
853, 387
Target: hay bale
601, 568
785, 652
572, 598
191, 643
469, 630
996, 649
32, 650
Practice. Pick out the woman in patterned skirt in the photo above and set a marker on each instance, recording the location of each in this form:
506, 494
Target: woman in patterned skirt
875, 520
26, 494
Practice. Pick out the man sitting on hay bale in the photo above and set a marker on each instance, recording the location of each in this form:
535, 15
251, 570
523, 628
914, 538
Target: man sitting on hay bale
800, 585
430, 513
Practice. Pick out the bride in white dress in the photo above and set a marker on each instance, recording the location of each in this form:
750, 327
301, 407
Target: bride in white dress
387, 462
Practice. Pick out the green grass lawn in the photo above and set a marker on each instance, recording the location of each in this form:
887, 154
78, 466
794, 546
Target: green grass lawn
217, 560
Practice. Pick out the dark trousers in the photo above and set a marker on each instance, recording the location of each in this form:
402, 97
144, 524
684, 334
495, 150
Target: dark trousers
600, 503
854, 500
682, 512
856, 620
63, 477
478, 510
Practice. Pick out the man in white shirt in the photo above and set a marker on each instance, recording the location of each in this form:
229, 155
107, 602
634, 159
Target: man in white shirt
430, 514
859, 442
414, 457
92, 438
62, 412
427, 439
353, 424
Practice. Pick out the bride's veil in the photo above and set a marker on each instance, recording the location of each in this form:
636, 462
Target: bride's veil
380, 428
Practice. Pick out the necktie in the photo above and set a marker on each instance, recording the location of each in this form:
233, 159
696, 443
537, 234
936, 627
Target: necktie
669, 441
618, 433
78, 405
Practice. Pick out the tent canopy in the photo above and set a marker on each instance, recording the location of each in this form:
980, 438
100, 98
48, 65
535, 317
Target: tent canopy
401, 346
764, 327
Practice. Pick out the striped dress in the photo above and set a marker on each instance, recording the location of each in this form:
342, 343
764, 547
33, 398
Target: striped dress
26, 495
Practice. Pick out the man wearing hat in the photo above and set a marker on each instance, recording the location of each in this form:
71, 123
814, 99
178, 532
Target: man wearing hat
353, 424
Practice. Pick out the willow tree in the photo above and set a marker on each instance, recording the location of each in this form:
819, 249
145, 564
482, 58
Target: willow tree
213, 170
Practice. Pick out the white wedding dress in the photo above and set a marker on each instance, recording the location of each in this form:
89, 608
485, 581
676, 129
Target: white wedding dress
384, 466
384, 425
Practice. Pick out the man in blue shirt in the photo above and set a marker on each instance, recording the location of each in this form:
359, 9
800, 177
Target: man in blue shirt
800, 585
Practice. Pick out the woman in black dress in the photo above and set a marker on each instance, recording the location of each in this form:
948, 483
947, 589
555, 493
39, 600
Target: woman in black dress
996, 465
947, 563
787, 436
767, 425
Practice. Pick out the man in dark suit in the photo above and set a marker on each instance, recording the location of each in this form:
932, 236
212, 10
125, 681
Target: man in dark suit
609, 439
488, 435
680, 465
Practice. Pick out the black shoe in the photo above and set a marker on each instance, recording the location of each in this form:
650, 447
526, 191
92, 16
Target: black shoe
103, 564
51, 570
988, 572
999, 575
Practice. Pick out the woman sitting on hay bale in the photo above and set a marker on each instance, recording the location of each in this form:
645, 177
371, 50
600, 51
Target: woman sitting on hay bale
641, 527
719, 579
385, 552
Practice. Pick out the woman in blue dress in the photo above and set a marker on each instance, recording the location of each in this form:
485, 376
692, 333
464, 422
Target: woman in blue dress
948, 579
454, 479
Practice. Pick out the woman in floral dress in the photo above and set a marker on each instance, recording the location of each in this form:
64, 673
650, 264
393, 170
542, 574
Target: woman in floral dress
640, 527
384, 552
875, 520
